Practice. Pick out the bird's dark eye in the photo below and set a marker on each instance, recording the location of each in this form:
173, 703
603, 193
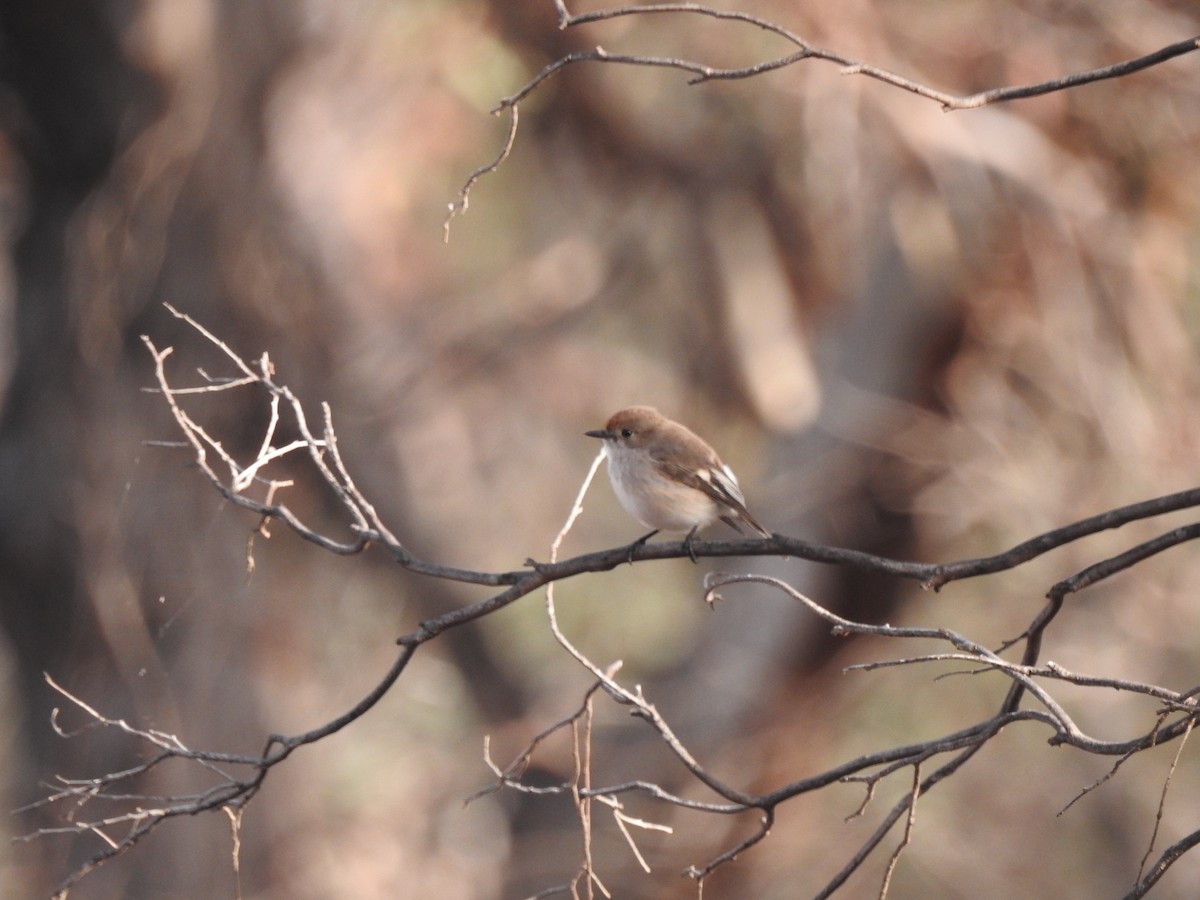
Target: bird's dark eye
626, 432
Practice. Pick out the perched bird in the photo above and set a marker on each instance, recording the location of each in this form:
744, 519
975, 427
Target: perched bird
668, 478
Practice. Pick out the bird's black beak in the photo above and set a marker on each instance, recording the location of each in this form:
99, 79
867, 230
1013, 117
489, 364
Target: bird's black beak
603, 433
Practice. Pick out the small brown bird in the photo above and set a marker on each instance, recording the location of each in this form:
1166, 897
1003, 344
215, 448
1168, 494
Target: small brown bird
668, 478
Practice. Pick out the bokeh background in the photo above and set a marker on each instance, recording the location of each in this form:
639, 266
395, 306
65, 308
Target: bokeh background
915, 333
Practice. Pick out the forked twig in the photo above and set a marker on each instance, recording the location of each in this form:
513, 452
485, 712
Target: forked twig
700, 72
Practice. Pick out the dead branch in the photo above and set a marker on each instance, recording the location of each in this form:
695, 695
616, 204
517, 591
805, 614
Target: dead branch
803, 49
123, 815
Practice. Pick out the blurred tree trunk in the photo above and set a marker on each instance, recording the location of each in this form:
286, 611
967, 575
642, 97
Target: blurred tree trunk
71, 99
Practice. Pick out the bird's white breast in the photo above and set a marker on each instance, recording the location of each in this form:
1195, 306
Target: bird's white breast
653, 499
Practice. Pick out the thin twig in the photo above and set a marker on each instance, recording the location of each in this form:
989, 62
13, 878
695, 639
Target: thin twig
909, 822
1162, 800
463, 202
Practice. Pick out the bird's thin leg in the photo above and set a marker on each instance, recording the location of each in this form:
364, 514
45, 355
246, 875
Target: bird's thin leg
687, 543
633, 547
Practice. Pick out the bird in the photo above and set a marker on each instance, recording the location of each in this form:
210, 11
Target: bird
669, 478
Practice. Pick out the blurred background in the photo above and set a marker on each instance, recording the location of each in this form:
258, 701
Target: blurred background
914, 333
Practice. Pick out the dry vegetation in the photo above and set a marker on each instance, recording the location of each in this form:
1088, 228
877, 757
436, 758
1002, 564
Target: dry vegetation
919, 335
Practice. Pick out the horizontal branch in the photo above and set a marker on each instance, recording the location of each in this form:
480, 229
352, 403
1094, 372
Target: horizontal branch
370, 529
1122, 561
702, 72
237, 481
930, 575
850, 66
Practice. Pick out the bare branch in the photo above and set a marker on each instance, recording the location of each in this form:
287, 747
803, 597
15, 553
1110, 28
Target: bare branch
127, 815
460, 205
143, 813
908, 831
764, 828
701, 72
1162, 800
1169, 857
806, 50
1106, 568
366, 523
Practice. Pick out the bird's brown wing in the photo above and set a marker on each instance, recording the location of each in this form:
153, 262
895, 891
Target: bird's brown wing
721, 485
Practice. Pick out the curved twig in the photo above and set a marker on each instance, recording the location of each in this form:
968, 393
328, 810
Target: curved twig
702, 72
